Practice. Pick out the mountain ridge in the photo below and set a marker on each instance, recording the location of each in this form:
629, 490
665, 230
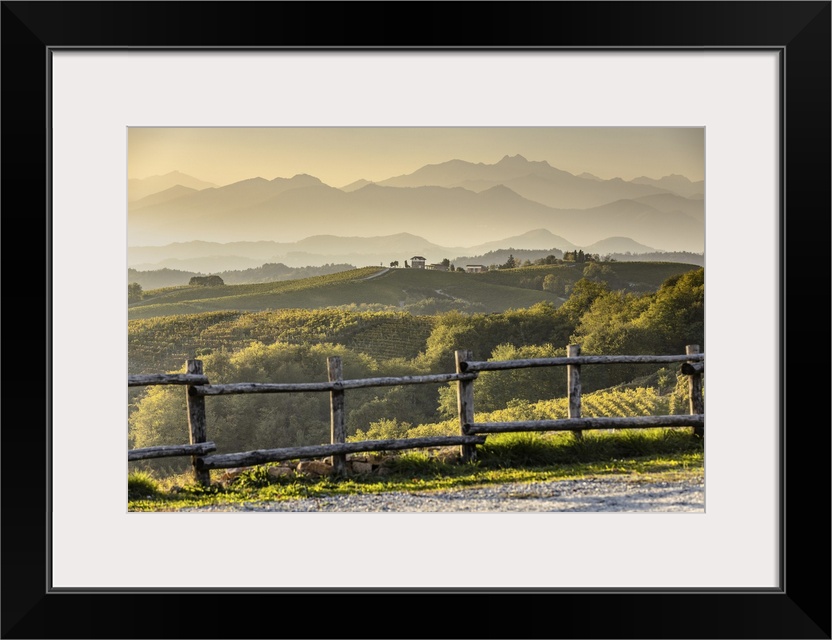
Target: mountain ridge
463, 204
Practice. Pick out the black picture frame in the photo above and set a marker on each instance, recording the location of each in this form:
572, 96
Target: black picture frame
799, 608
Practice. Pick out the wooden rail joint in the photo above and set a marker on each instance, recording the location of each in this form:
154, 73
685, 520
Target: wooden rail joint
693, 368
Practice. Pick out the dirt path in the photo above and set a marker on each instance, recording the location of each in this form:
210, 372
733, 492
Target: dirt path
376, 275
609, 494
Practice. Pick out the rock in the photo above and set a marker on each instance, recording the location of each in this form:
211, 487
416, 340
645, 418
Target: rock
447, 455
280, 472
361, 467
386, 461
315, 468
229, 474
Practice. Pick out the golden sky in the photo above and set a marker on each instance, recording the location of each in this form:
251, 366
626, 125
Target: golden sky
339, 156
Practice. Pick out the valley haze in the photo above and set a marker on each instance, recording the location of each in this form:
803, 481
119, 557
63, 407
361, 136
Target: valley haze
454, 209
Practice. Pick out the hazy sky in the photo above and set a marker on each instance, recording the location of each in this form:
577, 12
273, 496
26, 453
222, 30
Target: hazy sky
339, 156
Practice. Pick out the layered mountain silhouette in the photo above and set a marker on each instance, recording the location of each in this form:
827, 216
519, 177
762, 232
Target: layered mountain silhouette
140, 188
537, 181
452, 204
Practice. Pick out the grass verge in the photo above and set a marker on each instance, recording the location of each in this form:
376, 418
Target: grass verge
642, 455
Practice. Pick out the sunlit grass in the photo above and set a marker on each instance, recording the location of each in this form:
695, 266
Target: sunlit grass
647, 455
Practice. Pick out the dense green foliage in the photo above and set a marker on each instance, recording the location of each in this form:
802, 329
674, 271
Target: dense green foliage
205, 281
292, 345
252, 421
134, 292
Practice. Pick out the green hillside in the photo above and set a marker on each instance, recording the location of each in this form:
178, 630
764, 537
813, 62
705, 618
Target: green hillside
398, 314
421, 292
648, 276
638, 277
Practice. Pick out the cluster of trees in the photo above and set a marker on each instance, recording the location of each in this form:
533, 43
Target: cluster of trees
568, 256
580, 256
550, 259
206, 281
447, 264
603, 320
513, 263
134, 292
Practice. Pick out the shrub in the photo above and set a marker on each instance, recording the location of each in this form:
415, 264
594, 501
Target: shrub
141, 485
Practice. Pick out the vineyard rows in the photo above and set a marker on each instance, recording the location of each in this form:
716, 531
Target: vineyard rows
164, 343
643, 401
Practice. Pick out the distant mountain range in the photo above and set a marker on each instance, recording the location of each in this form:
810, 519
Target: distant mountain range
540, 182
455, 204
141, 188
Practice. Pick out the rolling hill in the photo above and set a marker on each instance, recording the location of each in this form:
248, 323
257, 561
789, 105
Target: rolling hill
422, 292
391, 289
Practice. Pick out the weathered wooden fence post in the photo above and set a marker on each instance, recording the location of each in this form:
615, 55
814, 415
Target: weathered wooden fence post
197, 423
338, 430
573, 382
694, 373
465, 405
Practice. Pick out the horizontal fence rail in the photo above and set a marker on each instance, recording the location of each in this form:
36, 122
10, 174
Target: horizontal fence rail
262, 456
472, 433
579, 360
170, 451
571, 424
166, 378
336, 385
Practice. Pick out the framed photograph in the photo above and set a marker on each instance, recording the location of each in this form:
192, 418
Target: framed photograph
78, 77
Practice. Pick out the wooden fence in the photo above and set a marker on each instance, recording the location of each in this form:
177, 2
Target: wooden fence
472, 433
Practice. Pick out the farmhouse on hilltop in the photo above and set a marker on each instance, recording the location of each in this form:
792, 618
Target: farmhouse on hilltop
475, 268
417, 262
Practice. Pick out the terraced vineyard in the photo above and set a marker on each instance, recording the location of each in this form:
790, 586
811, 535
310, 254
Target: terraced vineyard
643, 401
164, 343
391, 335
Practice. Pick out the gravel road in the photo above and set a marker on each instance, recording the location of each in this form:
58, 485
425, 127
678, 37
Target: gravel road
593, 495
